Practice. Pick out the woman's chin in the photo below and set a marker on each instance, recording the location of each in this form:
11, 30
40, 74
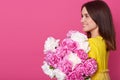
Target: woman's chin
85, 30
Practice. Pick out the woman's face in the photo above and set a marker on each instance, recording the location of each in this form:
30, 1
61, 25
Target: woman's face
88, 24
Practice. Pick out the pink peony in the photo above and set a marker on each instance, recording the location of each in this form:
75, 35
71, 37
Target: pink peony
61, 52
82, 54
52, 59
69, 44
65, 66
74, 75
79, 68
90, 67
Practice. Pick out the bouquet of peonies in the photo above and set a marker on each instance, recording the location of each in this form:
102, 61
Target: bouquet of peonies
68, 59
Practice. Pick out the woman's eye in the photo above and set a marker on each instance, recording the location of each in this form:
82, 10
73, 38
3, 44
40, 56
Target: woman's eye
81, 15
86, 16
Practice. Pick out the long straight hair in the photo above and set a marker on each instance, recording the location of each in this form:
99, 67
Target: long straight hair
101, 14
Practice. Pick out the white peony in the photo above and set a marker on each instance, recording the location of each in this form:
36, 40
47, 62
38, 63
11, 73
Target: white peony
50, 44
72, 57
84, 46
89, 79
59, 74
79, 37
46, 69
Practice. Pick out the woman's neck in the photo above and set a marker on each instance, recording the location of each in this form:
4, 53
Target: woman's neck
94, 33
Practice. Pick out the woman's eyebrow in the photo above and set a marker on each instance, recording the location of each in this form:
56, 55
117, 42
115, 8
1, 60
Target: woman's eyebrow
84, 14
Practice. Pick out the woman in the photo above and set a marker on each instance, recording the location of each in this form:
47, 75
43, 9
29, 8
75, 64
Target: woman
97, 23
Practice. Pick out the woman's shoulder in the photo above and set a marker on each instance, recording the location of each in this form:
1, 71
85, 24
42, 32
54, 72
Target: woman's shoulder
95, 40
97, 45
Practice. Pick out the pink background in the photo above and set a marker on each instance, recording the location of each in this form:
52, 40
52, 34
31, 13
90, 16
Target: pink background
25, 25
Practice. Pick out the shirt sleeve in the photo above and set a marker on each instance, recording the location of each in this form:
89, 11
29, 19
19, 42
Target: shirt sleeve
93, 50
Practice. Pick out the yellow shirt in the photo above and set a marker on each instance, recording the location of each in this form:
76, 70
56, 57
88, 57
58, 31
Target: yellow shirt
98, 52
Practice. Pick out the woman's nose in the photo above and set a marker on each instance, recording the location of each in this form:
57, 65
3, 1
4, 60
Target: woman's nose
82, 20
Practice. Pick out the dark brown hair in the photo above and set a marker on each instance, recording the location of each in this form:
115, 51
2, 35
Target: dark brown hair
101, 14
